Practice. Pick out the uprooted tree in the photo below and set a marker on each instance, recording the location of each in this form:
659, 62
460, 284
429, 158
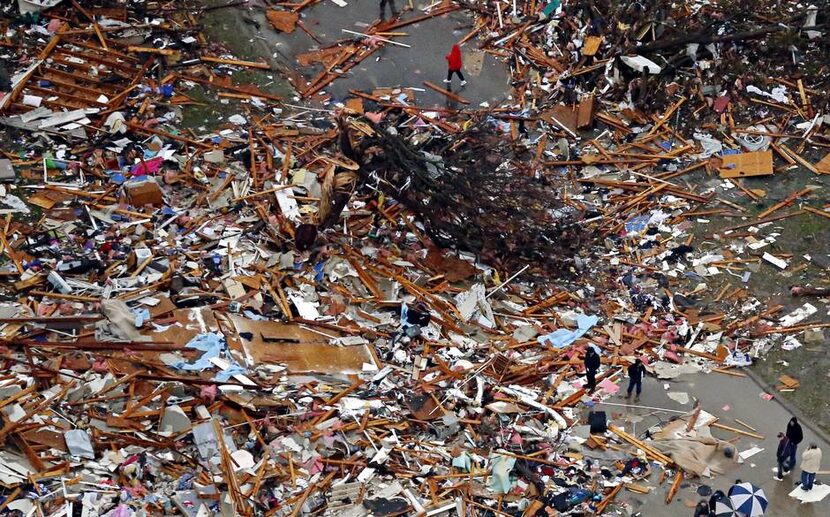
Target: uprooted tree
472, 193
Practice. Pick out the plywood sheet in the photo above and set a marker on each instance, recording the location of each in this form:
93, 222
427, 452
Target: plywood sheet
299, 349
824, 164
746, 165
591, 45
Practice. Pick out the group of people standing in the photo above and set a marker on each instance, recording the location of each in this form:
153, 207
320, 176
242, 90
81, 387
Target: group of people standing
788, 443
786, 454
636, 372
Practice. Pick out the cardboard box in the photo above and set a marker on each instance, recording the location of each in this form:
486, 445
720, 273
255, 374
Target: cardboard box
141, 193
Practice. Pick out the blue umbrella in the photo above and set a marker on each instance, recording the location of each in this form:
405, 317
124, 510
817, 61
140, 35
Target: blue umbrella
748, 499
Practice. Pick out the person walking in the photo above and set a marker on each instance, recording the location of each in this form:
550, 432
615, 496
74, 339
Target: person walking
810, 464
635, 377
592, 363
796, 435
782, 455
454, 65
383, 4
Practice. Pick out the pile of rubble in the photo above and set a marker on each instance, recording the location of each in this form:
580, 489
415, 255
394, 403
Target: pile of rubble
369, 306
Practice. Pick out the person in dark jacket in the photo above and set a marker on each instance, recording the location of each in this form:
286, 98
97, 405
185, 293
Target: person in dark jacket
717, 496
796, 436
454, 65
383, 4
782, 455
702, 509
635, 377
5, 79
591, 366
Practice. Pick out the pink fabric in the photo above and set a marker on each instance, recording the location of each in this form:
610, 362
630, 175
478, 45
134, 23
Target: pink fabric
146, 167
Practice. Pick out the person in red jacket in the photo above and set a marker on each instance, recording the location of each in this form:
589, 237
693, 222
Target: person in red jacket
454, 65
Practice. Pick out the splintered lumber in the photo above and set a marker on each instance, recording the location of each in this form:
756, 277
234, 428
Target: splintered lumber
237, 89
746, 425
796, 328
283, 21
728, 372
20, 394
786, 202
141, 129
446, 93
804, 163
675, 486
651, 452
310, 490
10, 498
607, 499
236, 62
736, 431
227, 467
11, 426
667, 115
638, 489
816, 211
375, 37
151, 50
762, 221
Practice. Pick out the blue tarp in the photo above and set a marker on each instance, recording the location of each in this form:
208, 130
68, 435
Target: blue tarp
213, 345
561, 338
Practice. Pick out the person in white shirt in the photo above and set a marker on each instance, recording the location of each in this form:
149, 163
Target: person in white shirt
810, 464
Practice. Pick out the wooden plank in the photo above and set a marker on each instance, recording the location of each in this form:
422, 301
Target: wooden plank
141, 129
151, 50
786, 202
207, 82
607, 499
236, 62
718, 425
747, 165
446, 93
653, 453
816, 211
804, 163
77, 98
675, 486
